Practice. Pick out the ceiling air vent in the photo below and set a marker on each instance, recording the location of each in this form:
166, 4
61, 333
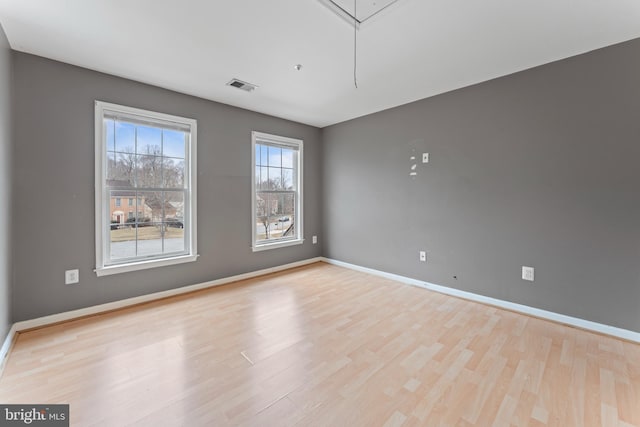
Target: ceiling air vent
247, 87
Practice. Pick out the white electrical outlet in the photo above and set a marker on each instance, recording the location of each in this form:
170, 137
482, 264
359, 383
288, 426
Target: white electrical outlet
425, 157
423, 256
314, 239
527, 273
71, 277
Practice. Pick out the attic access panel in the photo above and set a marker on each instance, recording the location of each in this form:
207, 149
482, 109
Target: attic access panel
366, 9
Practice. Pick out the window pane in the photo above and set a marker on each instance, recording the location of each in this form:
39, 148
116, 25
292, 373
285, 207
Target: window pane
257, 154
264, 178
149, 171
275, 178
257, 177
264, 161
174, 221
288, 205
173, 144
275, 156
110, 142
149, 239
288, 214
275, 227
149, 223
174, 204
173, 170
173, 237
151, 206
149, 140
287, 179
266, 206
125, 137
122, 239
121, 167
282, 221
287, 158
123, 242
112, 172
275, 214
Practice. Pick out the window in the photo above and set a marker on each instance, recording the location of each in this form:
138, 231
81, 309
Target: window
276, 191
149, 158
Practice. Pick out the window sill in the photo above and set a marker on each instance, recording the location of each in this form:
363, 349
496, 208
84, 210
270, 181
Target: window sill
142, 265
267, 246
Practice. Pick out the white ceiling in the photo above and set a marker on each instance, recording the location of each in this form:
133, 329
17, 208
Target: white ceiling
412, 50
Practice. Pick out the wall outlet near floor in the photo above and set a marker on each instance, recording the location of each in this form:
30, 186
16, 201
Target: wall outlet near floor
527, 273
71, 277
423, 256
314, 239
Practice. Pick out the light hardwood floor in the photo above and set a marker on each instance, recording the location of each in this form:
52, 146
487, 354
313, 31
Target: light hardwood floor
324, 346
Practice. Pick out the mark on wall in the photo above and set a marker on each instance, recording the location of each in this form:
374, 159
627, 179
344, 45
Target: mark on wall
413, 157
414, 166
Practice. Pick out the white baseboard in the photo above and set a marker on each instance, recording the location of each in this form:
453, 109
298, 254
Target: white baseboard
6, 347
96, 309
532, 311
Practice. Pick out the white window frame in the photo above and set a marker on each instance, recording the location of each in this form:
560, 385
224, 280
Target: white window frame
102, 219
260, 137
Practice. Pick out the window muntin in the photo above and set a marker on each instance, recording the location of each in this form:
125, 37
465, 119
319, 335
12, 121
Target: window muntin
149, 159
277, 191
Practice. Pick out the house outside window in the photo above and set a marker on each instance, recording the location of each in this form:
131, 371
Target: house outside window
150, 158
276, 191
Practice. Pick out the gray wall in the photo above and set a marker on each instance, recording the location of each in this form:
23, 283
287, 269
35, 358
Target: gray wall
540, 168
5, 185
54, 188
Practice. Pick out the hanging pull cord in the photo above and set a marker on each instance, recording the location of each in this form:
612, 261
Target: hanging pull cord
355, 44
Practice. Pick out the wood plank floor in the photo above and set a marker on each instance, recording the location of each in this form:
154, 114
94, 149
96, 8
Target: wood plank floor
324, 346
